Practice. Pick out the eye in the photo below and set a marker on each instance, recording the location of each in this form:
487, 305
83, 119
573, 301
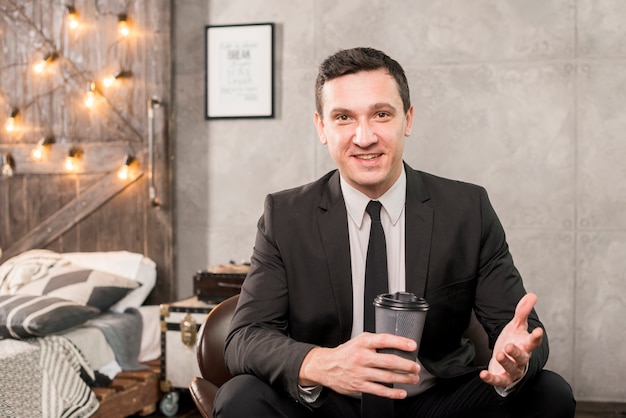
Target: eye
342, 119
382, 115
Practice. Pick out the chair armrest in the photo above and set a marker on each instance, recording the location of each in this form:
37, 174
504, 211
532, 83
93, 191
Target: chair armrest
203, 393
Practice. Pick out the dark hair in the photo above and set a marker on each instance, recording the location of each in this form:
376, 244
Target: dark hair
350, 61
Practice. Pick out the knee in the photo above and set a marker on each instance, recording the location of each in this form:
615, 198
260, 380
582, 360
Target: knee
557, 389
550, 394
239, 395
249, 396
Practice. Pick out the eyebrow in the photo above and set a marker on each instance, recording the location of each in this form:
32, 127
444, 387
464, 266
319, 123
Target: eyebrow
375, 106
378, 106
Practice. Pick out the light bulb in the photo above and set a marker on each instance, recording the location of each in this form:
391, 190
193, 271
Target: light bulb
73, 159
41, 65
110, 79
72, 17
7, 165
37, 152
41, 149
90, 96
90, 99
11, 124
7, 170
123, 27
69, 163
123, 172
127, 169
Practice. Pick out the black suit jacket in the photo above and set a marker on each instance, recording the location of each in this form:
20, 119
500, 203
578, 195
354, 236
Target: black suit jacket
298, 293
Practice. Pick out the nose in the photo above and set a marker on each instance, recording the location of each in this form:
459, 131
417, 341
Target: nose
364, 136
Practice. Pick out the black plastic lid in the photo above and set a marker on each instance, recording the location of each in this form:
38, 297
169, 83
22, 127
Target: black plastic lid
401, 301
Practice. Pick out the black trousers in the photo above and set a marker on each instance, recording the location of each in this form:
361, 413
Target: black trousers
546, 395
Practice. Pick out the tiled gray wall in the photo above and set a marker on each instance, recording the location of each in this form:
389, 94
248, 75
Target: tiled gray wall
526, 97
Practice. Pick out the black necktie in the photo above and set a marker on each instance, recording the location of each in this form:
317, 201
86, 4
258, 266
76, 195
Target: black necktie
375, 266
375, 284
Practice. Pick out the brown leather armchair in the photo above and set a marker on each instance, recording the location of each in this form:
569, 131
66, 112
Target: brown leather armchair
210, 352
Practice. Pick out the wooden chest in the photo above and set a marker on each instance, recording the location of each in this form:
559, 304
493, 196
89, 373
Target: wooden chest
218, 283
180, 323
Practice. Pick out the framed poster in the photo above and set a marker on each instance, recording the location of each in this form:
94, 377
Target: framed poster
240, 71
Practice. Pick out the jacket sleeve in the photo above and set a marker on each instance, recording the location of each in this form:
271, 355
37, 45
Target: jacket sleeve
500, 286
258, 342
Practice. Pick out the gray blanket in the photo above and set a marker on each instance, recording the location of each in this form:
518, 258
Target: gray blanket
123, 333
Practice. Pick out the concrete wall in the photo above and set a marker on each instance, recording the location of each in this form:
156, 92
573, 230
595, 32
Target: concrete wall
525, 97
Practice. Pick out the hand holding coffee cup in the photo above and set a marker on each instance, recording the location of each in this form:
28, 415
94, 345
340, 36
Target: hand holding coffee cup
402, 314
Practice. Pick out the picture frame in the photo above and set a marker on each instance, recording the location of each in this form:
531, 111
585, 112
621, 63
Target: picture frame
240, 71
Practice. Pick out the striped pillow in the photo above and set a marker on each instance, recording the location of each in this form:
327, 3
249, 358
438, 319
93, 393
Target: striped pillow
26, 316
84, 286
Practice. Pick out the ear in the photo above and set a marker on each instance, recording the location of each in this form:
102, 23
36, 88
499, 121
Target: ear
409, 121
319, 125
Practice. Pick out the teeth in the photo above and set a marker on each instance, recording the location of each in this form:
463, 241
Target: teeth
368, 157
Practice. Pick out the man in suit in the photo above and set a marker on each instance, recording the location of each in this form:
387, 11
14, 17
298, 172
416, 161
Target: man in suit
296, 344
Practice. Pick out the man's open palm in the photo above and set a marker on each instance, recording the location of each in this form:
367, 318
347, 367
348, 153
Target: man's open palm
513, 347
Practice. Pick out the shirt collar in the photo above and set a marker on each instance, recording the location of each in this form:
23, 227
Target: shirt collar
393, 200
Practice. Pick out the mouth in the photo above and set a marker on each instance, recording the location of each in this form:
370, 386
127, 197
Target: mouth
368, 156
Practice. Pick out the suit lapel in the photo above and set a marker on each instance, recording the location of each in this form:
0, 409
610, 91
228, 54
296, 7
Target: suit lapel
333, 226
419, 228
332, 222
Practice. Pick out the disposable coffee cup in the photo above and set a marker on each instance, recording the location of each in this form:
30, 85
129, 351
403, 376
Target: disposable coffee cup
402, 314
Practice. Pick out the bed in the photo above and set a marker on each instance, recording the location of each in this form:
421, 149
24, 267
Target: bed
75, 337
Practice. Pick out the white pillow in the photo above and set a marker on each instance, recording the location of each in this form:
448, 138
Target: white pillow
123, 263
146, 275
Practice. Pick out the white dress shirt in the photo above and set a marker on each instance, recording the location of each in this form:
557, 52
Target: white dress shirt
392, 216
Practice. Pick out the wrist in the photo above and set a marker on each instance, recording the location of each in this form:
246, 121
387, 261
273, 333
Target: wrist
307, 374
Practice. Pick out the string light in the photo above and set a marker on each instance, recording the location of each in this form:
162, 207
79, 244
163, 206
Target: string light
90, 96
72, 17
8, 164
127, 169
72, 161
123, 26
48, 59
41, 149
11, 124
110, 79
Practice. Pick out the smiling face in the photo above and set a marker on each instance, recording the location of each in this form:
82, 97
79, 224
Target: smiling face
364, 126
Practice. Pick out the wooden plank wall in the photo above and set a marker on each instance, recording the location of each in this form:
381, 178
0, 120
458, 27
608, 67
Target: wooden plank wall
44, 206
